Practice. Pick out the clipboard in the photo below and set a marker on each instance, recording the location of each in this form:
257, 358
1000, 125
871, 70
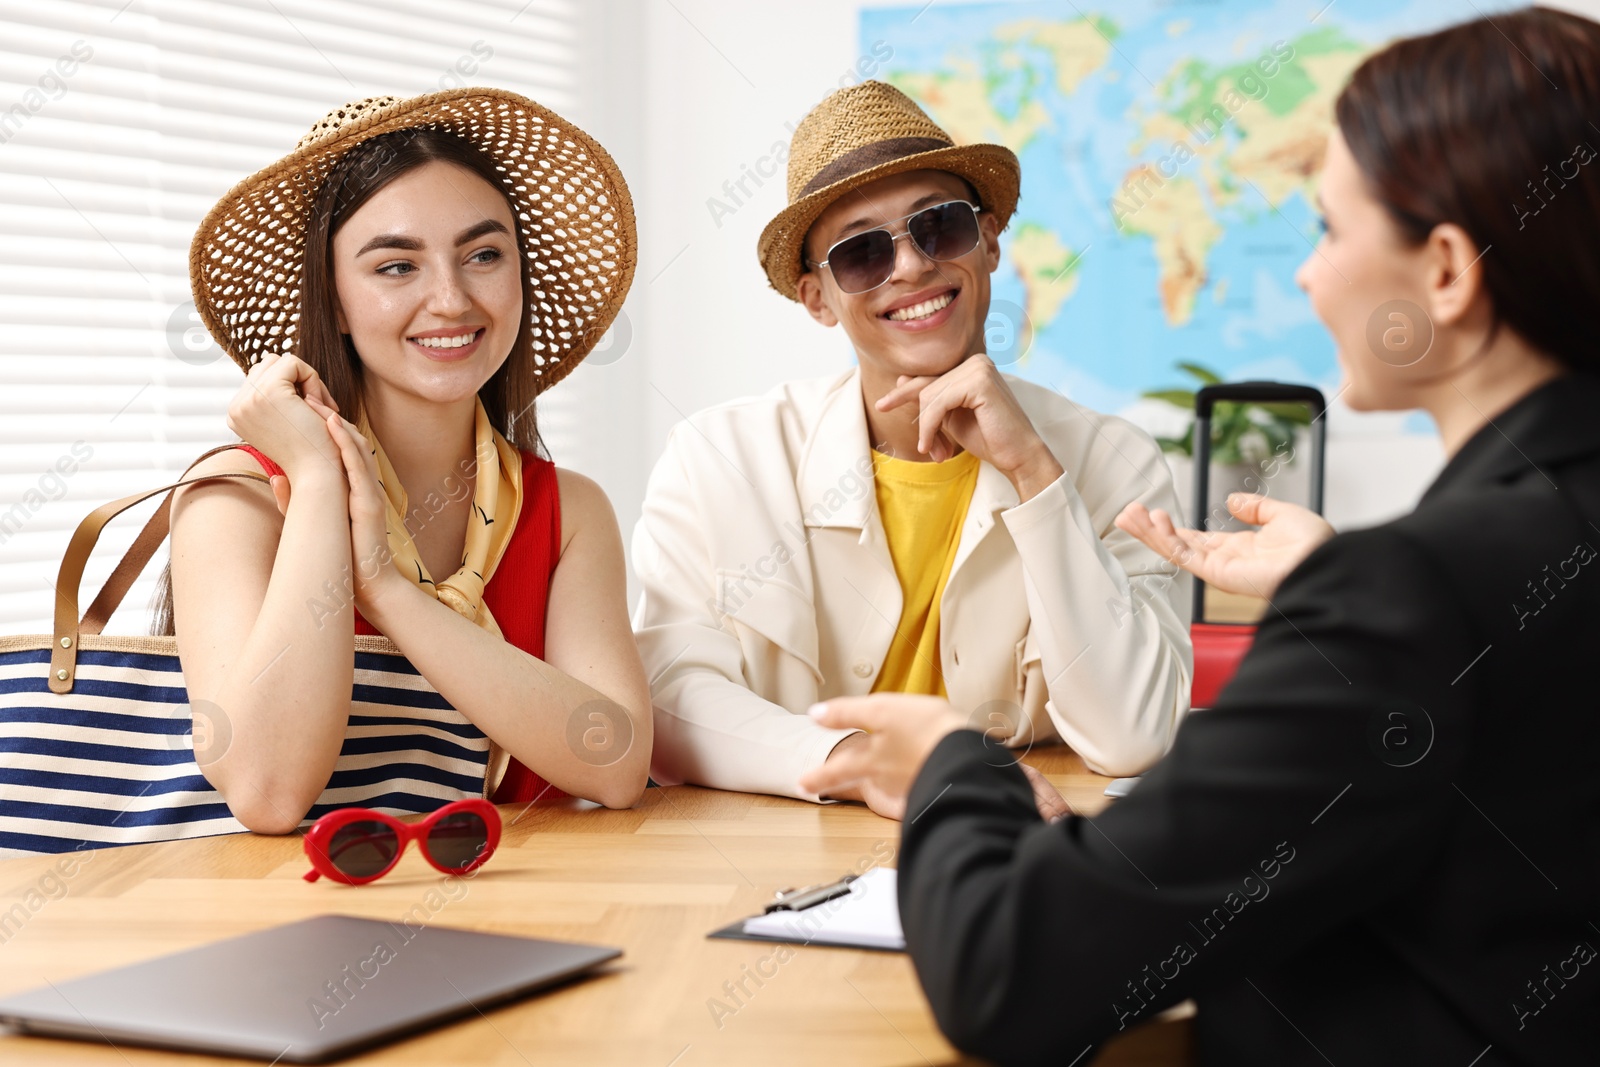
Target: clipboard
857, 911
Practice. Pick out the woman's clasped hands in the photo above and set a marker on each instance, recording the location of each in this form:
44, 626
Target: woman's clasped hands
285, 410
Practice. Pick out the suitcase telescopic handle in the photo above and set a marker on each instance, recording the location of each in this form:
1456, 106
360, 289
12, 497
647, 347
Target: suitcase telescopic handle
1206, 398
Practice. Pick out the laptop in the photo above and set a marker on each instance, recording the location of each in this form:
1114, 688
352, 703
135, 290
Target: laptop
307, 992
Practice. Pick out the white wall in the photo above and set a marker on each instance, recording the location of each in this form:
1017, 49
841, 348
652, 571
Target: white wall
716, 83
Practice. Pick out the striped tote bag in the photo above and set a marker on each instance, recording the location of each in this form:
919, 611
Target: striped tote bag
96, 732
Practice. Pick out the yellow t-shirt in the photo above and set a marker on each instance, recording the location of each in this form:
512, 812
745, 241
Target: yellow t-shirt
923, 506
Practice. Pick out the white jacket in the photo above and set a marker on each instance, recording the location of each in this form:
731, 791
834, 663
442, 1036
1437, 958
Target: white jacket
768, 585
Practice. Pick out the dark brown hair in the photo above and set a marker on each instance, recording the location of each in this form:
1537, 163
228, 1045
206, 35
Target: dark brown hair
1487, 125
508, 396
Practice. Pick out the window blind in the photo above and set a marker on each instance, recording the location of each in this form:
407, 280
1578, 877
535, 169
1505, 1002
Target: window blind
121, 123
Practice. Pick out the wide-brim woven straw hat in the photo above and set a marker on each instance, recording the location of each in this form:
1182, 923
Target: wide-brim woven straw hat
572, 205
858, 135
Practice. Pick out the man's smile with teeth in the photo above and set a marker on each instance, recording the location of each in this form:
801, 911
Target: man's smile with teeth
924, 309
458, 341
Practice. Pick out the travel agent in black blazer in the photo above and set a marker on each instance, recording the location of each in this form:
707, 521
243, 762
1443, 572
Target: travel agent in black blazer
1382, 845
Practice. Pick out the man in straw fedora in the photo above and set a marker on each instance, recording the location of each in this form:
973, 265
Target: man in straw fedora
922, 523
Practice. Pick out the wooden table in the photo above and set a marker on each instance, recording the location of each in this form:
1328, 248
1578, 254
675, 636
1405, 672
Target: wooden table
1223, 606
652, 880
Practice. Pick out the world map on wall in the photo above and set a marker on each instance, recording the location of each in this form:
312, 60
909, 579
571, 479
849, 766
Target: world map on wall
1170, 153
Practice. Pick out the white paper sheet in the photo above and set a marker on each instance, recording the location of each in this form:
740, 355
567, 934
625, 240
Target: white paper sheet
869, 916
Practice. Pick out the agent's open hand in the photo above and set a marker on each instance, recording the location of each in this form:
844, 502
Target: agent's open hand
1251, 562
902, 731
1046, 797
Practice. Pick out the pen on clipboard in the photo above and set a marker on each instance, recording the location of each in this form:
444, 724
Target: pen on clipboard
808, 897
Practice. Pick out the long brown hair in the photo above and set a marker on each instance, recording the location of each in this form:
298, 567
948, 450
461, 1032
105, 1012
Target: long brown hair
508, 397
1486, 125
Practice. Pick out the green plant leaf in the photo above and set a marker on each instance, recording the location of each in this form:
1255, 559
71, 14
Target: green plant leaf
1289, 411
1178, 398
1232, 420
1205, 374
1183, 446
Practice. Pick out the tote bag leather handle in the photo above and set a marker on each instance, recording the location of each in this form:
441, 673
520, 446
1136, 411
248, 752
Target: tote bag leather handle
68, 627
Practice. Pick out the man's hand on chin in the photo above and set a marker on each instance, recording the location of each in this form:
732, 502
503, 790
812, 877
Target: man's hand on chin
973, 407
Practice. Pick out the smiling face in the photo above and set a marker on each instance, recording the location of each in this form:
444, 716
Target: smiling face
428, 281
929, 315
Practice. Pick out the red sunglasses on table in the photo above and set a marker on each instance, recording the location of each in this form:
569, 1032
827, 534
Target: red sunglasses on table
359, 845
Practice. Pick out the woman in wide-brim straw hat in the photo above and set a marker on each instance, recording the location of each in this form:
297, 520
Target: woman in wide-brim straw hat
398, 290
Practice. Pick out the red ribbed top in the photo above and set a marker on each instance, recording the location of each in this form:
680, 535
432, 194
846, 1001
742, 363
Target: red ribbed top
517, 594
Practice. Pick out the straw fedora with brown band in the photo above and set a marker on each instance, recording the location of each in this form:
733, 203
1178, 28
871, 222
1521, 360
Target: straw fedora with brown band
858, 135
572, 206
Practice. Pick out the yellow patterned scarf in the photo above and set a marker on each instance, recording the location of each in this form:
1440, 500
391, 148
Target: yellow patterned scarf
496, 505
